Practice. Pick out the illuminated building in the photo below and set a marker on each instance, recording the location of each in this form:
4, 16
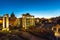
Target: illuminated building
17, 22
37, 20
12, 19
56, 30
5, 22
20, 22
27, 21
1, 21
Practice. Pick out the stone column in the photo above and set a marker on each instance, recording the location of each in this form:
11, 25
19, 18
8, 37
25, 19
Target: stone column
5, 22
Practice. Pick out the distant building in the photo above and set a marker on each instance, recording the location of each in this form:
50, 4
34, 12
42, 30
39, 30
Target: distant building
1, 21
17, 22
20, 22
12, 19
27, 21
37, 20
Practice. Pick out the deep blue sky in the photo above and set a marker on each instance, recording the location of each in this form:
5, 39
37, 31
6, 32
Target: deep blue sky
38, 8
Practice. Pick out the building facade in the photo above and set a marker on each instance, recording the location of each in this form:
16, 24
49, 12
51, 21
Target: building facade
12, 19
27, 21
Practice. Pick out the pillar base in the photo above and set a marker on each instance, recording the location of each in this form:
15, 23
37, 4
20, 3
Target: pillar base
5, 29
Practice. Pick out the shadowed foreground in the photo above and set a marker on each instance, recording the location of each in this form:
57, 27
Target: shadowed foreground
19, 36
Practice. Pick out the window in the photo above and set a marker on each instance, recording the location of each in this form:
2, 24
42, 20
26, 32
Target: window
59, 30
54, 29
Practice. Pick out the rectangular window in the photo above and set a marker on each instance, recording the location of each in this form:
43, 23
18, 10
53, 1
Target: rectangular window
54, 29
59, 30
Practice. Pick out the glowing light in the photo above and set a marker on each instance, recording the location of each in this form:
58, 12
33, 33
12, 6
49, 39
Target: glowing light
57, 34
0, 21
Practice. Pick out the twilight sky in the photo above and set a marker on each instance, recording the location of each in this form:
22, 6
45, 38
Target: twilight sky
38, 8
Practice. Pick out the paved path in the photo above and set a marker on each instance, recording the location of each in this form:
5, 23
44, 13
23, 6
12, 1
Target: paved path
30, 37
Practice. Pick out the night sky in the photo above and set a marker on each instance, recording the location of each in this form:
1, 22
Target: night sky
38, 8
